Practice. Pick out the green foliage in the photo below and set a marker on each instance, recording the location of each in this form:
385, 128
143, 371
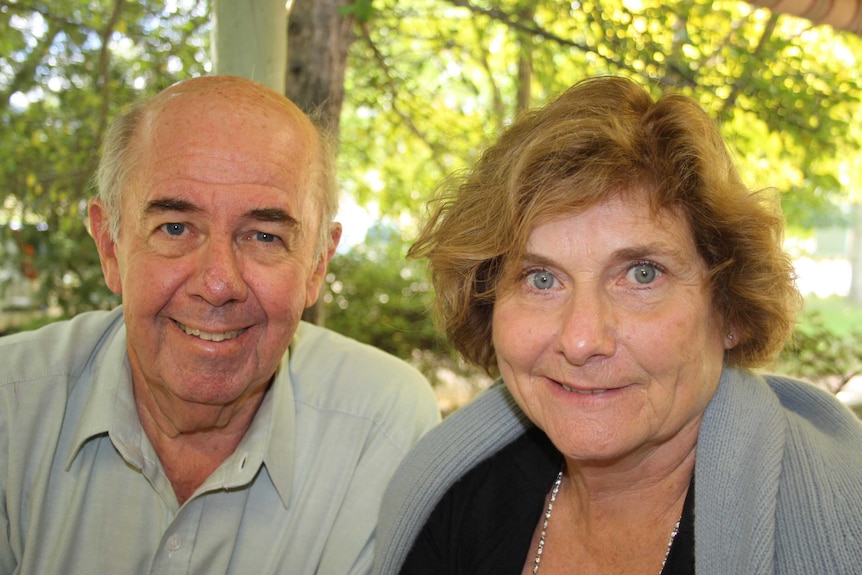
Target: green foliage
435, 80
66, 68
429, 84
361, 9
376, 296
824, 354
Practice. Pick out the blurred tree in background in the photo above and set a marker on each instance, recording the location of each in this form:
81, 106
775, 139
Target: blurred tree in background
66, 68
377, 296
372, 290
429, 84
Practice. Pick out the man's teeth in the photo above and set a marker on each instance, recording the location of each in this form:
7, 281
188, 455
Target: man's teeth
207, 336
585, 391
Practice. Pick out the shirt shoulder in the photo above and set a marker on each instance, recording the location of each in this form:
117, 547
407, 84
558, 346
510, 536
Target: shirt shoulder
332, 372
63, 348
322, 362
320, 351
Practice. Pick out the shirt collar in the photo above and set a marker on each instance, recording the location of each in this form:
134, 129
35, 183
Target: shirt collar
110, 410
269, 441
280, 454
110, 402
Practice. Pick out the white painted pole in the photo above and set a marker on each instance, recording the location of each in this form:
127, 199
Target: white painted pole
249, 39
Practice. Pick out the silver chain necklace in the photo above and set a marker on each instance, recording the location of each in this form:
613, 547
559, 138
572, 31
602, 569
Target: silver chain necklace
541, 549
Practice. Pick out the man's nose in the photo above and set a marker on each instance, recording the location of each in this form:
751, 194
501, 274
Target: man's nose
218, 277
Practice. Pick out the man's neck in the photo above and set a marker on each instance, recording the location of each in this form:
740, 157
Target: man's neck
191, 441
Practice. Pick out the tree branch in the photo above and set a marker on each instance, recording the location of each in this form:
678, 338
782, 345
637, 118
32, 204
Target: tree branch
737, 86
103, 81
23, 78
436, 150
532, 28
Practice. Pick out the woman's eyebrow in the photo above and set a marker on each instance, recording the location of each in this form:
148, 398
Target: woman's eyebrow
636, 252
533, 259
650, 250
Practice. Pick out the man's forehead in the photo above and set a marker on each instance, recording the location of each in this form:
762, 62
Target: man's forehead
230, 136
233, 129
225, 166
240, 96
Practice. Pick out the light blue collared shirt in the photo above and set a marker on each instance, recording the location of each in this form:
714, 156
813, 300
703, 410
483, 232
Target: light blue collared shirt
83, 490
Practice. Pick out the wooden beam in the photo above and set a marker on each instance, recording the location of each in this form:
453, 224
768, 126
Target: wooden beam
840, 14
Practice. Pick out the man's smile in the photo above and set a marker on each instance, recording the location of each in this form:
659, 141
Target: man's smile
210, 336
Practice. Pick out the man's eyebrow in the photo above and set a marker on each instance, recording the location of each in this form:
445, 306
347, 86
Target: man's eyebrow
169, 205
275, 215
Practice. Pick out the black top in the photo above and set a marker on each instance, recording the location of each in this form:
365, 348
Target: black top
484, 523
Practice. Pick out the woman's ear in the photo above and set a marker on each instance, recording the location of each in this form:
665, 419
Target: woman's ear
731, 338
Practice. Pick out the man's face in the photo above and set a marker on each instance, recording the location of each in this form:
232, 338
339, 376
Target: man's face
215, 259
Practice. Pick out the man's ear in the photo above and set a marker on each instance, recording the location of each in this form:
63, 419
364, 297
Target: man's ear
315, 280
101, 232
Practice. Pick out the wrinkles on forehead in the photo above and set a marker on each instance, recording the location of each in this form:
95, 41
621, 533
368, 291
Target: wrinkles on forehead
235, 120
221, 131
237, 103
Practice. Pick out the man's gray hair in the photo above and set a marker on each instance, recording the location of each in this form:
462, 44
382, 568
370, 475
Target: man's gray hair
123, 150
118, 163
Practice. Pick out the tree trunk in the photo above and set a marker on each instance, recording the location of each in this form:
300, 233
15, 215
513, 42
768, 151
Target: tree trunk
318, 39
525, 61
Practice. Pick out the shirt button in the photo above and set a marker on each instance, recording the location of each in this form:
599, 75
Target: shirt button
174, 542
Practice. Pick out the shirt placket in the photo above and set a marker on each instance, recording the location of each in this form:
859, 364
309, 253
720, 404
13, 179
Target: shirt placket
175, 551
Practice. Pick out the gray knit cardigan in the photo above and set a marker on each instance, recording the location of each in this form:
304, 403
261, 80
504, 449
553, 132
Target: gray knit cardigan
778, 478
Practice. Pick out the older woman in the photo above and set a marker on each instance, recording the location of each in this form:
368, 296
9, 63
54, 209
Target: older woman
606, 260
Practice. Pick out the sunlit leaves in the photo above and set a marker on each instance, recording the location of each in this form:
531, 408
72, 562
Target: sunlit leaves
66, 68
435, 80
429, 84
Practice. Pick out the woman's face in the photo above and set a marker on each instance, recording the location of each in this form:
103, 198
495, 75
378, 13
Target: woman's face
606, 334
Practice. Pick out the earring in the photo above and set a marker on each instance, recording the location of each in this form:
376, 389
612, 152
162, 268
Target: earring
730, 335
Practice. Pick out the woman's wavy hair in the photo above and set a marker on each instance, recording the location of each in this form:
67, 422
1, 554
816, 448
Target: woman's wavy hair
605, 136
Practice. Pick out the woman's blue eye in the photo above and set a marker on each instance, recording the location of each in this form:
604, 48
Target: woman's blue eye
264, 237
174, 229
543, 280
644, 273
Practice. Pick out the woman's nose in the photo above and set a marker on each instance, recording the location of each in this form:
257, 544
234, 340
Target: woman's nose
588, 326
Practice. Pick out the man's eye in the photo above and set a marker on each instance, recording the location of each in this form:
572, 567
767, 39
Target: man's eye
265, 237
542, 279
174, 229
643, 273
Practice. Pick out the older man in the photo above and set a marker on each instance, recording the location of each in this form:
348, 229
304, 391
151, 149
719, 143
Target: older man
201, 427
